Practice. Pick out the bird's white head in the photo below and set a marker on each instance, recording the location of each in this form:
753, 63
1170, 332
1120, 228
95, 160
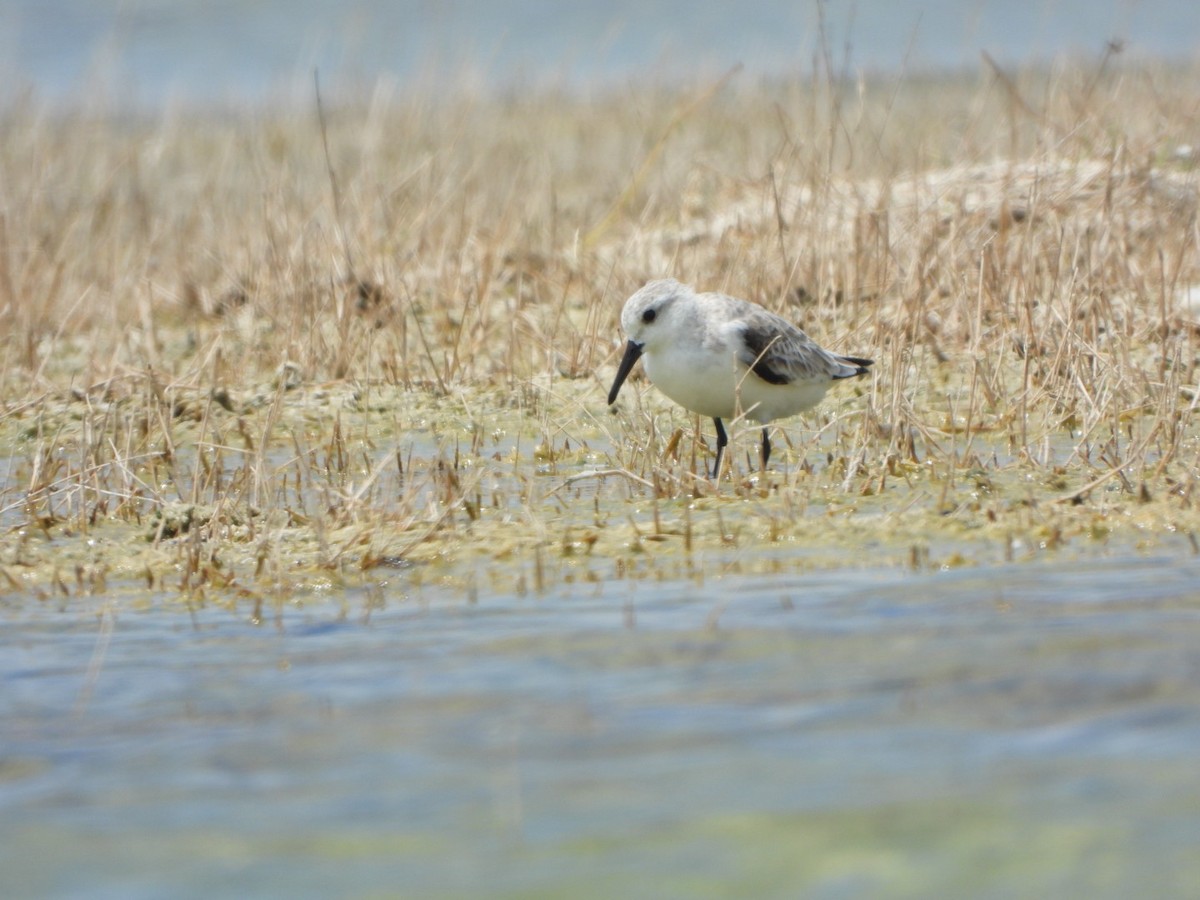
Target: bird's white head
644, 312
642, 320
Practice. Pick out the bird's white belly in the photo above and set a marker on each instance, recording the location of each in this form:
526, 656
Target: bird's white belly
716, 385
766, 402
702, 382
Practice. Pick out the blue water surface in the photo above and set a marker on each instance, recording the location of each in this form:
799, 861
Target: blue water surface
1013, 731
146, 53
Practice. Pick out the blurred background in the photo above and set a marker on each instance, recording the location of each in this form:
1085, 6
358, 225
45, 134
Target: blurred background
148, 53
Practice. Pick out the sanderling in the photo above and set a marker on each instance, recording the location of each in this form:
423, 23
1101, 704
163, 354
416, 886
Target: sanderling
717, 356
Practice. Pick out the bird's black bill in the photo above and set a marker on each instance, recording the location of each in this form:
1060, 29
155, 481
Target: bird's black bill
632, 353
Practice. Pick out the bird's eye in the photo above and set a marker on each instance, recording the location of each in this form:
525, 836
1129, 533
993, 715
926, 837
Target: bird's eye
648, 315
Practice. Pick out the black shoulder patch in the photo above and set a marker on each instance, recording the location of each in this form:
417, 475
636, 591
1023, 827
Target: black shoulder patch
758, 343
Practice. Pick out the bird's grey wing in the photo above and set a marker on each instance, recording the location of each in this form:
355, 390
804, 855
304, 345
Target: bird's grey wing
779, 353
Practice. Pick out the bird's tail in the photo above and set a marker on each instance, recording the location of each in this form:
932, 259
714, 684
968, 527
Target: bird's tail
857, 364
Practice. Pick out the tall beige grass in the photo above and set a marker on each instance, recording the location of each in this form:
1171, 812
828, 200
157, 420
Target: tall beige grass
200, 344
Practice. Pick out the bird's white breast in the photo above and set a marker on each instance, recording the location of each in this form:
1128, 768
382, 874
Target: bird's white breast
698, 378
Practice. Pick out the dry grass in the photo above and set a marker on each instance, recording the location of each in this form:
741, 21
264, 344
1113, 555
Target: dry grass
224, 374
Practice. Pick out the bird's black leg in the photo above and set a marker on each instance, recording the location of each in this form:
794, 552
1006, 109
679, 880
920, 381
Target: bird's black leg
766, 448
722, 440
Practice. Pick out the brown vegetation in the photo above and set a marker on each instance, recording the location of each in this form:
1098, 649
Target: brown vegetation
232, 366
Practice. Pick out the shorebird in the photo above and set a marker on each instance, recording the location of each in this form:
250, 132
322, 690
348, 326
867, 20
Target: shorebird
718, 356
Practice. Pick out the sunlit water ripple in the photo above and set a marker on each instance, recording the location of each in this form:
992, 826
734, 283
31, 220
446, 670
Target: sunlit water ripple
972, 730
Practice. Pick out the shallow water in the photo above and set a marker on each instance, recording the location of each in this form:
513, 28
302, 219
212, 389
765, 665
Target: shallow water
1024, 730
154, 52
